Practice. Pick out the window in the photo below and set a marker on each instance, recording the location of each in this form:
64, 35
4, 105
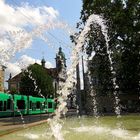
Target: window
42, 105
30, 105
5, 106
34, 106
37, 105
1, 105
49, 104
9, 102
21, 104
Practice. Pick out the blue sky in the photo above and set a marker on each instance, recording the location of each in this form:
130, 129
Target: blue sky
20, 18
69, 11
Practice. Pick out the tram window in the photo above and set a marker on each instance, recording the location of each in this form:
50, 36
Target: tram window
1, 105
4, 109
9, 104
30, 104
21, 104
49, 104
37, 105
34, 106
43, 104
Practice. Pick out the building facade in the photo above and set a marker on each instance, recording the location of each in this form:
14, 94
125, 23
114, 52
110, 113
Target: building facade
2, 72
58, 73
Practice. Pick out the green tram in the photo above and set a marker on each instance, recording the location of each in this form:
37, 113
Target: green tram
13, 105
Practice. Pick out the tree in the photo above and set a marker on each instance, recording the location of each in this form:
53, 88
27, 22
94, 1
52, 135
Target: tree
36, 81
13, 91
123, 20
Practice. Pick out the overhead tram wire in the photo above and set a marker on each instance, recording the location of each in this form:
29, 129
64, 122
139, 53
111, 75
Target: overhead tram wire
65, 44
56, 38
53, 45
29, 19
62, 19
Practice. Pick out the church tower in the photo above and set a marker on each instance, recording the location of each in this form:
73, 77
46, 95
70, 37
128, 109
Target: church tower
43, 62
61, 64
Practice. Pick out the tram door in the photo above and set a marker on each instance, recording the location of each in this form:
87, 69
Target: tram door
5, 106
1, 105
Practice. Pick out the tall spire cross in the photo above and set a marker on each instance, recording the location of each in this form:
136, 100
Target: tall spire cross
43, 60
43, 54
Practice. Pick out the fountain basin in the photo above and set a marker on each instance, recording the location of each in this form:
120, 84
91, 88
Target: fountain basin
85, 128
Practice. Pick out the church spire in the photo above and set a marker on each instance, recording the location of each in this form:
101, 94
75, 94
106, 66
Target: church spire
61, 63
62, 56
43, 62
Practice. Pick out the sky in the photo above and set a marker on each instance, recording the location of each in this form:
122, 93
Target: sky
26, 24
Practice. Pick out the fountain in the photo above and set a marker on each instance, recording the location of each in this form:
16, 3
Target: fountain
85, 127
55, 126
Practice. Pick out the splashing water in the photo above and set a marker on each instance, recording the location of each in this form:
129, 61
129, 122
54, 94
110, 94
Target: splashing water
104, 30
92, 91
35, 83
19, 40
14, 41
18, 110
99, 130
75, 60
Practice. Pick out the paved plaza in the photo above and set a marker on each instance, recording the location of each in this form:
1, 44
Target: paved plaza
11, 124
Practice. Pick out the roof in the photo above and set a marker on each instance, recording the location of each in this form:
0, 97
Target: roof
51, 71
2, 67
15, 78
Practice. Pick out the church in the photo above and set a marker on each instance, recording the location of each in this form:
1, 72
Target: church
58, 73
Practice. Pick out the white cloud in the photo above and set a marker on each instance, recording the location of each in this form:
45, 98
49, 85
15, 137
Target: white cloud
12, 68
14, 18
25, 61
22, 63
15, 24
8, 48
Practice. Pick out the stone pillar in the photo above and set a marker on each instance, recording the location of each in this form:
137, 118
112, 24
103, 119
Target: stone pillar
78, 93
2, 72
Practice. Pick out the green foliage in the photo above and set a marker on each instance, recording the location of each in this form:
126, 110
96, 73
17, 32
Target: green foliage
40, 83
123, 21
13, 91
101, 70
